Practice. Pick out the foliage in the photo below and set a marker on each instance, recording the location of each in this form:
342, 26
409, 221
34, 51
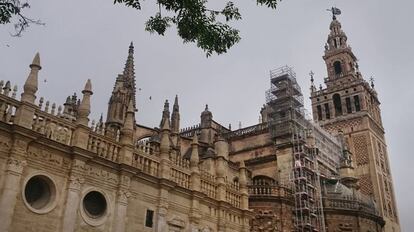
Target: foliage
196, 23
11, 8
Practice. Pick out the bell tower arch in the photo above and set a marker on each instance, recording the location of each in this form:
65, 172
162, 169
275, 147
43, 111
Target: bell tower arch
350, 104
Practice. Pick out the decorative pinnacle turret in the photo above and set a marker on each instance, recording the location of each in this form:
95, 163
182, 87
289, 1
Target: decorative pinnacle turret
175, 117
165, 125
88, 87
36, 62
85, 105
131, 48
176, 107
31, 85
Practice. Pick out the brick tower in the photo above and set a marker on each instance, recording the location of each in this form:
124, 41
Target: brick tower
349, 104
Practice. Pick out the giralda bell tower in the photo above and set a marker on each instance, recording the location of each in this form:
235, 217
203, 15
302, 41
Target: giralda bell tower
350, 104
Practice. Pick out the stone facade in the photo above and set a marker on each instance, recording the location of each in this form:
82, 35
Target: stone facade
60, 171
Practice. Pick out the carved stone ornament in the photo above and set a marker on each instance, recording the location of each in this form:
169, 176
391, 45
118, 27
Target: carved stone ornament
163, 209
76, 182
126, 181
123, 196
15, 165
176, 221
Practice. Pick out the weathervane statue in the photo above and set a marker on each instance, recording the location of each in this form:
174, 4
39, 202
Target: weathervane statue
335, 11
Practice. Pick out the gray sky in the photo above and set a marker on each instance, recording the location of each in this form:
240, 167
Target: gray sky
89, 39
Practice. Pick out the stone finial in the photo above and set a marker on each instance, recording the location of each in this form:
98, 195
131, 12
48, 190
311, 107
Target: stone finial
88, 87
175, 117
36, 61
85, 105
242, 164
31, 85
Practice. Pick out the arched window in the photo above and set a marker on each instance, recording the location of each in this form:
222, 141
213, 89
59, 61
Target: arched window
357, 103
319, 109
337, 104
337, 67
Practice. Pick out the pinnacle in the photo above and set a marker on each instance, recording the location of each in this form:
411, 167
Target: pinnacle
131, 106
166, 125
195, 139
88, 86
242, 164
176, 100
36, 61
166, 105
131, 48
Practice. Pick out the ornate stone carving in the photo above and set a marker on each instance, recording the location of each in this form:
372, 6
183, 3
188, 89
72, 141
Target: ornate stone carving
75, 182
48, 157
123, 196
102, 174
176, 221
15, 165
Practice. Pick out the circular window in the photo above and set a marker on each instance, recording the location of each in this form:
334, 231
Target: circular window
95, 204
39, 194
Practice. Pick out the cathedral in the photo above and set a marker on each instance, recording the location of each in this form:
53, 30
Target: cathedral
62, 171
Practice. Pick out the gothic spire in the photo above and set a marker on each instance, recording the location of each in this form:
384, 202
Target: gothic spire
129, 73
122, 94
165, 113
175, 117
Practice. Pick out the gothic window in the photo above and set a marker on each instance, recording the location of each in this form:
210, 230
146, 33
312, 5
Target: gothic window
149, 218
337, 67
319, 109
337, 104
327, 112
348, 105
357, 103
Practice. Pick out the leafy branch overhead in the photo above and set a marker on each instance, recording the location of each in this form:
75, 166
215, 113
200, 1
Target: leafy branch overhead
208, 28
196, 23
11, 8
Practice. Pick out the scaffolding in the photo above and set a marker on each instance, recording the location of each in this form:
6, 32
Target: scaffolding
289, 127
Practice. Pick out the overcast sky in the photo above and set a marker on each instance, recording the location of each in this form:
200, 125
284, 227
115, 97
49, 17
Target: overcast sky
89, 39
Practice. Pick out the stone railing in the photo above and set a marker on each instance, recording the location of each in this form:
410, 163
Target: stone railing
349, 203
235, 186
233, 195
179, 161
269, 190
147, 162
103, 146
8, 103
145, 148
208, 184
189, 131
50, 123
181, 177
248, 130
